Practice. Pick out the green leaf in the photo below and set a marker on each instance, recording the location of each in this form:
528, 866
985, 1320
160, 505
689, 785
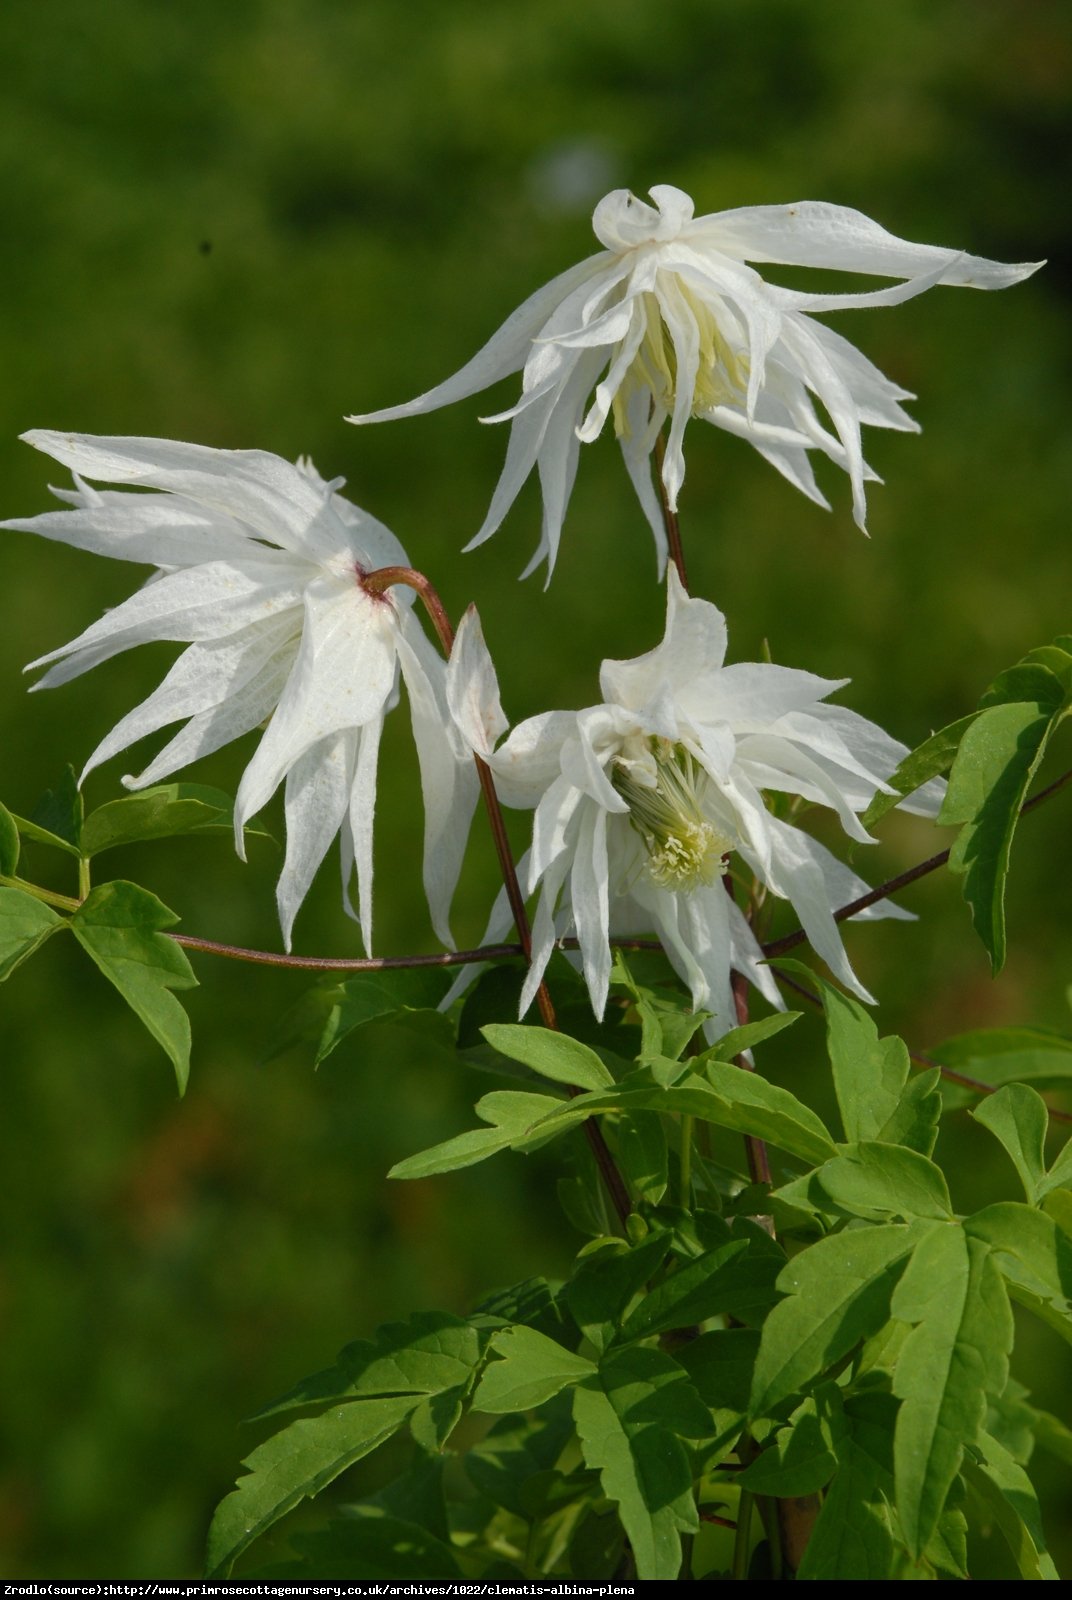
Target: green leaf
731, 1280
720, 1364
430, 1352
609, 1276
514, 1450
552, 1055
57, 816
852, 1538
933, 757
9, 844
294, 1464
955, 1356
1018, 1119
25, 924
375, 997
158, 813
874, 1180
1052, 1435
1009, 1498
747, 1037
800, 1459
1035, 1256
533, 1369
513, 1117
119, 925
1004, 1055
1060, 1174
667, 1021
643, 1155
366, 1546
869, 1073
31, 830
838, 1293
631, 1416
914, 1123
997, 759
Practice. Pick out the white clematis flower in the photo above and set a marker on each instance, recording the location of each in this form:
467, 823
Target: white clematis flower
259, 573
643, 803
669, 321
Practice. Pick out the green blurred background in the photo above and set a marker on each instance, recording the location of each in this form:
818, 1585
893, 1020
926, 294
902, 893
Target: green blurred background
236, 223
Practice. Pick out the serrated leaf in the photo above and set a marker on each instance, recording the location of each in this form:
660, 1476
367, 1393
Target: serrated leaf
9, 843
838, 1292
430, 1352
552, 1055
25, 924
955, 1356
531, 1370
607, 1279
159, 813
914, 1122
119, 926
874, 1180
929, 760
534, 1301
1008, 1495
731, 1280
295, 1464
394, 994
57, 816
630, 1417
643, 1156
512, 1115
1018, 1119
800, 1459
994, 766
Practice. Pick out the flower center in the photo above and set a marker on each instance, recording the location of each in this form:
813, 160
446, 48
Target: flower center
685, 849
721, 376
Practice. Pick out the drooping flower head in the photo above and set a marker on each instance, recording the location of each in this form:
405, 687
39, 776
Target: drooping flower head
259, 572
669, 321
644, 803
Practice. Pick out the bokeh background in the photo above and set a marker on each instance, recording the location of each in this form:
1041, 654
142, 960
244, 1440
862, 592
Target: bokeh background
236, 223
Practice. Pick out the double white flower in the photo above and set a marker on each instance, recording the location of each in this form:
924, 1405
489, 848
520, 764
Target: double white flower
643, 803
669, 321
259, 571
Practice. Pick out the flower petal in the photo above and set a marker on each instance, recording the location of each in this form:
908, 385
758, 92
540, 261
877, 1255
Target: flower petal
812, 233
694, 643
317, 796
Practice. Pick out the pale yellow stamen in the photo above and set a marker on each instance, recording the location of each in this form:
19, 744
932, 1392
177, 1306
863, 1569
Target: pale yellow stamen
685, 849
722, 374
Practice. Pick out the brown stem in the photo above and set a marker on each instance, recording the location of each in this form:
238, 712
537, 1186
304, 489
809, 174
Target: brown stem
670, 522
269, 958
377, 583
779, 947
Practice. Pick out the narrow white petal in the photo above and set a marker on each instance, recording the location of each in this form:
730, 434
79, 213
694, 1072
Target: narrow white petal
641, 414
530, 757
448, 777
159, 530
317, 795
204, 676
694, 643
204, 602
526, 437
795, 875
243, 710
472, 688
343, 677
360, 817
557, 459
553, 826
506, 350
543, 930
843, 886
273, 497
590, 903
790, 763
812, 233
752, 694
